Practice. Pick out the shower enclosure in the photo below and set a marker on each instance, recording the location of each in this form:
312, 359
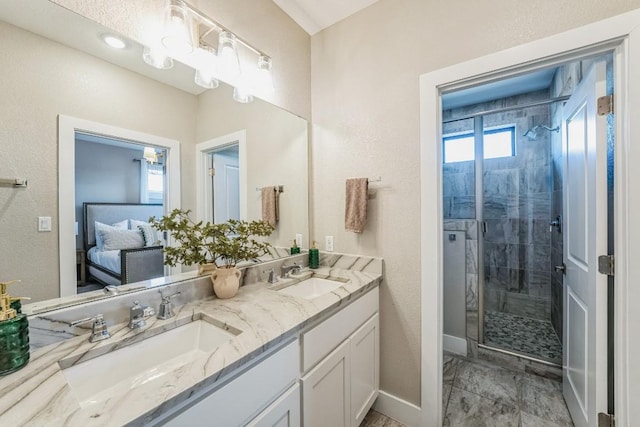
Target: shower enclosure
502, 184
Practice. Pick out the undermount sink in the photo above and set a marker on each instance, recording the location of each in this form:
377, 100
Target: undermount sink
120, 370
311, 288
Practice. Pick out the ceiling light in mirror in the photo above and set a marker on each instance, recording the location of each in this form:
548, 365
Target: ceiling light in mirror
178, 29
150, 155
157, 58
206, 67
228, 60
113, 41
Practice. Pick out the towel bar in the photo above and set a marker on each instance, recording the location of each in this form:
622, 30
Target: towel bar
13, 182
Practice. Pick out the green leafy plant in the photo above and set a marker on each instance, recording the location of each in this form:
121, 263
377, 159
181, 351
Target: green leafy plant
225, 244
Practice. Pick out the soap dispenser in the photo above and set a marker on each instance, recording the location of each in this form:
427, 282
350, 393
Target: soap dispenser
314, 256
295, 249
14, 333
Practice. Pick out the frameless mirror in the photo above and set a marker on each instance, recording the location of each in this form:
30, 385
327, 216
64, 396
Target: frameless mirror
55, 64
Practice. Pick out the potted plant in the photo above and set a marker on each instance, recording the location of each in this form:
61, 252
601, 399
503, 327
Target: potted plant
213, 247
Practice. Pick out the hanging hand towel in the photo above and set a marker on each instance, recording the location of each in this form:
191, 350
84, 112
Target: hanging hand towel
355, 213
270, 205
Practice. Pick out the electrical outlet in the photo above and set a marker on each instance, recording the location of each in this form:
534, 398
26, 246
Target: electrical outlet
328, 243
299, 240
44, 223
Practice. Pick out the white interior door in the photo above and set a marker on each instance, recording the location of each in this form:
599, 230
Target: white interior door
585, 207
226, 188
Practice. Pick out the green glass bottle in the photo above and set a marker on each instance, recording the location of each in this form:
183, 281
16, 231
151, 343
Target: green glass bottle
295, 249
14, 344
314, 256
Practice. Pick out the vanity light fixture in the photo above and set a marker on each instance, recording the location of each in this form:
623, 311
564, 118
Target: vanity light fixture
228, 56
207, 68
113, 41
157, 58
186, 28
264, 78
178, 28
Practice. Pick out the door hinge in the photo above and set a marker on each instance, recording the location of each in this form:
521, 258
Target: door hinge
605, 105
212, 171
606, 420
606, 264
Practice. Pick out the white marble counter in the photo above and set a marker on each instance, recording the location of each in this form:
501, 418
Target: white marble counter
40, 395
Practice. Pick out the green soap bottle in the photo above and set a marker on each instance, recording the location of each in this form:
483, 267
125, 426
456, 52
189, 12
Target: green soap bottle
314, 256
295, 249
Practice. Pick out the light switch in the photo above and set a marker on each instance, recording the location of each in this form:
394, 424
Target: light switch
328, 243
44, 223
299, 240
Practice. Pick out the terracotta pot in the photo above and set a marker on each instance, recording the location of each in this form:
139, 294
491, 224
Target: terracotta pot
226, 282
206, 268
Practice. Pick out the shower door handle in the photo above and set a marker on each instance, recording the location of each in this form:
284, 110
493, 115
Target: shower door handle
561, 268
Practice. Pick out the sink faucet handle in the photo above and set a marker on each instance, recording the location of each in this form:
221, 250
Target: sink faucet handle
167, 299
273, 277
166, 311
99, 329
137, 314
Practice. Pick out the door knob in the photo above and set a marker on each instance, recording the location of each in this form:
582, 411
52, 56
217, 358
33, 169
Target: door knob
560, 268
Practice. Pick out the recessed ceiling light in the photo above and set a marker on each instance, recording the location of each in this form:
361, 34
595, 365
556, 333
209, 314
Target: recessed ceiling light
114, 42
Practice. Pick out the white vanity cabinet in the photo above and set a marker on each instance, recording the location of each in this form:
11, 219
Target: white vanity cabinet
341, 387
264, 395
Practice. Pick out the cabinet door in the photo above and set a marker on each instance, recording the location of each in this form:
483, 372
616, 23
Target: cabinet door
365, 369
284, 412
326, 391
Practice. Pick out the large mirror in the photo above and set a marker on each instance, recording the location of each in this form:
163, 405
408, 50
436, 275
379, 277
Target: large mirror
55, 65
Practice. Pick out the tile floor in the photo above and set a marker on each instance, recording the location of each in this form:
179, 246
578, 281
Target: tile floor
376, 419
532, 337
478, 393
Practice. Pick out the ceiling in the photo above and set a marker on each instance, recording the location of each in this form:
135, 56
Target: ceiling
314, 16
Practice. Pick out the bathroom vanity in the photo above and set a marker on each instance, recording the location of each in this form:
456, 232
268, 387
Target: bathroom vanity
276, 354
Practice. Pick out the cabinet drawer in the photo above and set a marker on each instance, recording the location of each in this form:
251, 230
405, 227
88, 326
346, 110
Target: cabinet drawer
244, 397
322, 339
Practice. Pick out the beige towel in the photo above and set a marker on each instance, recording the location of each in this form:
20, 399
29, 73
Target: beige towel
355, 213
270, 205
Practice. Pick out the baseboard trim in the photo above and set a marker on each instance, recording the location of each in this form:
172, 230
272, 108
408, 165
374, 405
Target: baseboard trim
454, 344
398, 409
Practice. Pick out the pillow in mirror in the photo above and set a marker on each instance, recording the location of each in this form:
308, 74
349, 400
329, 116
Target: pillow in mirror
100, 227
117, 239
152, 237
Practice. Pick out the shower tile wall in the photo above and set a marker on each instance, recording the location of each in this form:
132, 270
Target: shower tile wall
518, 197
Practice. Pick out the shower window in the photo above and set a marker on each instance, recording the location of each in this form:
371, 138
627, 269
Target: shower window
498, 142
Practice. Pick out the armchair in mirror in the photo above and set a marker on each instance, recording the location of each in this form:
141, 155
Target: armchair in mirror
79, 119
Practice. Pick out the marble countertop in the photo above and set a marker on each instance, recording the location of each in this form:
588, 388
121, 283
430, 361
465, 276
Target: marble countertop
39, 394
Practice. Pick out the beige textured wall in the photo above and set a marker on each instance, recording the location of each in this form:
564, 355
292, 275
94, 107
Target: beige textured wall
40, 80
277, 152
365, 109
259, 22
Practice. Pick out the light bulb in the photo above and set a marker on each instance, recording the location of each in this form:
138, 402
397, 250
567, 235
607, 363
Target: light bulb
157, 58
178, 28
228, 61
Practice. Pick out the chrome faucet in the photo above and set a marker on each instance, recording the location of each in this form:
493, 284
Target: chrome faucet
166, 310
285, 269
99, 329
273, 277
137, 314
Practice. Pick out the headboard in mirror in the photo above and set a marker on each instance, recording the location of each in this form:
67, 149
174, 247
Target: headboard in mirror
55, 64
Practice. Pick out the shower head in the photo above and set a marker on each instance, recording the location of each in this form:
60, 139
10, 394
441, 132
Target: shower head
532, 133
